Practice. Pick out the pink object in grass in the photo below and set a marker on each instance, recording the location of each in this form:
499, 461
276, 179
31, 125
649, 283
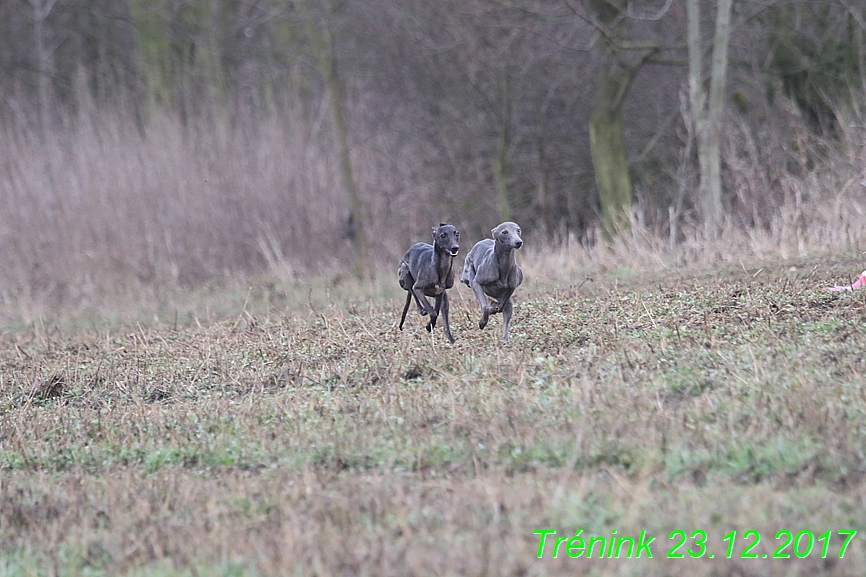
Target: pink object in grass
861, 281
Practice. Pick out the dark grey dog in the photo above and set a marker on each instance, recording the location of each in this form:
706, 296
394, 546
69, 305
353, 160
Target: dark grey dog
425, 271
491, 271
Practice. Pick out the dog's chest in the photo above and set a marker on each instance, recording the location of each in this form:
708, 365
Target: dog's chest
505, 281
440, 286
496, 288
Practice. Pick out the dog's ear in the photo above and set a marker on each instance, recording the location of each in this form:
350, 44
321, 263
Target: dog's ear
434, 232
493, 232
443, 224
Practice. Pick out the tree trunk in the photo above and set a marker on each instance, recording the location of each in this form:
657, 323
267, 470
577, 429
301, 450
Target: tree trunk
696, 76
356, 224
608, 149
503, 143
543, 190
606, 142
356, 227
707, 112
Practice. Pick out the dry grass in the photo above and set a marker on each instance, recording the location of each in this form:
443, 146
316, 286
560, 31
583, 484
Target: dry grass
99, 219
327, 442
98, 213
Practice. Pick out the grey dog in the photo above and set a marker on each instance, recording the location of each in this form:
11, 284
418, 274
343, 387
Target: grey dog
425, 271
490, 270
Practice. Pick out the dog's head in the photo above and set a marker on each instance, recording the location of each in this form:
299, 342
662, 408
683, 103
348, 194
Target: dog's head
508, 233
446, 238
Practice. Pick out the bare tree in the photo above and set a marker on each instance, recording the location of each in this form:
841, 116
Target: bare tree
707, 111
621, 59
319, 34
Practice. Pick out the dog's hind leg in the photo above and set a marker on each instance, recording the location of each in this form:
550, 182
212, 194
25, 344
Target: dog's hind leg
426, 306
486, 309
421, 310
506, 318
436, 308
406, 308
407, 281
445, 306
499, 305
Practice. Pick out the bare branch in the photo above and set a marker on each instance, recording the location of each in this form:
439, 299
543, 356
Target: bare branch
857, 16
647, 16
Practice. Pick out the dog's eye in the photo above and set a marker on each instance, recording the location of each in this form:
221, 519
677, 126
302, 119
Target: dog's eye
519, 231
443, 235
457, 235
504, 233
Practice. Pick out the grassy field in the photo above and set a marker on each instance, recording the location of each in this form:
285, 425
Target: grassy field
317, 439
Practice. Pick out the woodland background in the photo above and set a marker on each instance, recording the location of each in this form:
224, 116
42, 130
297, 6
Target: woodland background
154, 143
